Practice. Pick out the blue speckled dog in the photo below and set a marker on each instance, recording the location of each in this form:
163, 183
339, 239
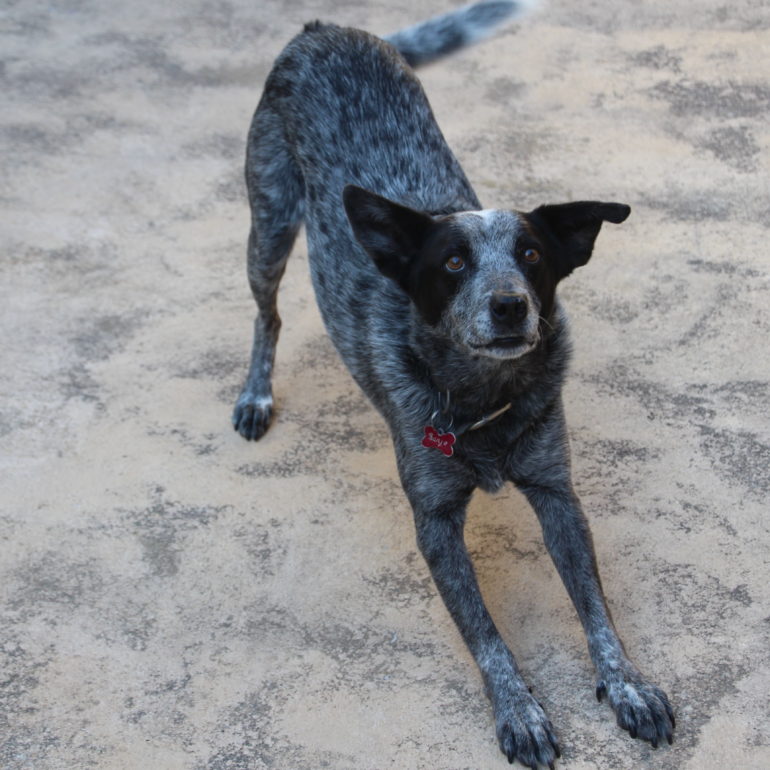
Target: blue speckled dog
447, 317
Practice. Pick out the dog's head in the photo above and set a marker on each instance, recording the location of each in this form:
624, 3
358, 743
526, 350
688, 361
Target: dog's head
487, 279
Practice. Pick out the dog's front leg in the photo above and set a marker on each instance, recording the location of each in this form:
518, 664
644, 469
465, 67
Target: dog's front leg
439, 502
523, 729
543, 475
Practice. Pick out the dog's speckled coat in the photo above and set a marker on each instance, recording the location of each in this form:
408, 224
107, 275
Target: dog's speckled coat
167, 594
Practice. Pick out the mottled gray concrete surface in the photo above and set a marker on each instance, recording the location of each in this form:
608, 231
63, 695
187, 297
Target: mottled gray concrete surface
174, 597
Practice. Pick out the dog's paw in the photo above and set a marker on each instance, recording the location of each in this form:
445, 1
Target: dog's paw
525, 732
640, 707
252, 415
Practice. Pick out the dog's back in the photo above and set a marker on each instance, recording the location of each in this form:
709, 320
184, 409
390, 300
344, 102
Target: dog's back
354, 113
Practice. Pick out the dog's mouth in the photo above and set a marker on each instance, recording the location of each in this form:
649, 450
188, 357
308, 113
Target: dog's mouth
507, 347
507, 342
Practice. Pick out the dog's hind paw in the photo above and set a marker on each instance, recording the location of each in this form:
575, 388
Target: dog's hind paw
525, 733
640, 707
252, 415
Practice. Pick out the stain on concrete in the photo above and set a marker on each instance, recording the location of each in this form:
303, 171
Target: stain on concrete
724, 268
505, 90
215, 363
35, 144
53, 580
691, 205
97, 338
253, 741
733, 145
404, 586
740, 456
265, 546
658, 58
728, 99
225, 146
161, 530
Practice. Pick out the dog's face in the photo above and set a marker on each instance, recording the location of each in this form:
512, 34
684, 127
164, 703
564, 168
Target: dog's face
485, 279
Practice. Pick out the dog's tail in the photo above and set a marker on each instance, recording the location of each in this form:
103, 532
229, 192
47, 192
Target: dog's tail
444, 34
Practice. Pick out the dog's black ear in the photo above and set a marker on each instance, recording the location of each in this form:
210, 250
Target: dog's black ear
575, 227
393, 235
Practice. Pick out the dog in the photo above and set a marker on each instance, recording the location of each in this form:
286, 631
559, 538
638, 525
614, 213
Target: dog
446, 315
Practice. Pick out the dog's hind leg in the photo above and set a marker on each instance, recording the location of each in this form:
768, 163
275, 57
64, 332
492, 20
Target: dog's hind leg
276, 197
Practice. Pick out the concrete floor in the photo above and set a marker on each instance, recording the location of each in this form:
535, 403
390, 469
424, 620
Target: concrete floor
175, 597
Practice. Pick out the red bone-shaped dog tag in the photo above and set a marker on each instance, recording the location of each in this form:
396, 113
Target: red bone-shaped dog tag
435, 439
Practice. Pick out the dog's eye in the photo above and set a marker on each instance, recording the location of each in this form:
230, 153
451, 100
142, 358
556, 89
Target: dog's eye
455, 264
531, 256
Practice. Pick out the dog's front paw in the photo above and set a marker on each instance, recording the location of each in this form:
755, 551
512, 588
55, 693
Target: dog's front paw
640, 707
524, 731
252, 415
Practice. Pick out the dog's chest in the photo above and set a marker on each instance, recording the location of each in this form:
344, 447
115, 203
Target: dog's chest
489, 473
483, 452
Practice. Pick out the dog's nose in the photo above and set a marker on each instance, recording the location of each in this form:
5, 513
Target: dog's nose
507, 307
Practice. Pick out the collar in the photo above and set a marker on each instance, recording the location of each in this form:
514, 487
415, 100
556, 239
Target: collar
468, 426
